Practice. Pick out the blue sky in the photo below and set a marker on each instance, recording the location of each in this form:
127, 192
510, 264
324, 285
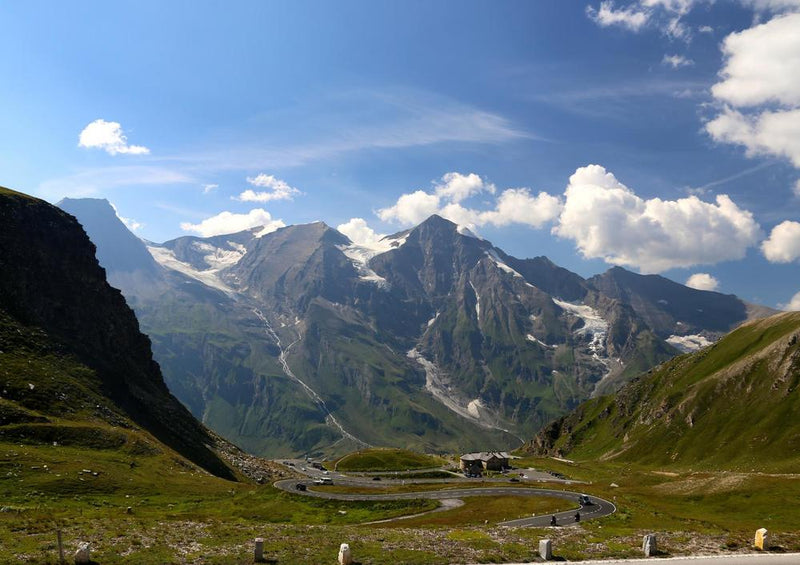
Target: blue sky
491, 113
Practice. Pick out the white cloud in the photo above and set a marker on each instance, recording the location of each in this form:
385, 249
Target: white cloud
608, 220
759, 89
607, 15
98, 181
411, 208
783, 244
131, 224
762, 64
793, 305
513, 205
665, 15
775, 6
517, 205
209, 187
702, 281
769, 133
108, 136
277, 189
676, 61
456, 187
360, 233
228, 222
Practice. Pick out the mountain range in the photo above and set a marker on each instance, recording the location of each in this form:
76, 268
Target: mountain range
302, 341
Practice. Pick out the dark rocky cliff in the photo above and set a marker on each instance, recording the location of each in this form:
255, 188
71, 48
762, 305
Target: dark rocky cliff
51, 280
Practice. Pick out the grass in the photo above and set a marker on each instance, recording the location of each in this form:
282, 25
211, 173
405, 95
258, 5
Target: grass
183, 515
481, 511
370, 460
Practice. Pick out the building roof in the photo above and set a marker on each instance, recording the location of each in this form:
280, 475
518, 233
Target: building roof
484, 456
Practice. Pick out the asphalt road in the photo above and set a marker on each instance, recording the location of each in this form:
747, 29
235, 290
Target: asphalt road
750, 559
597, 509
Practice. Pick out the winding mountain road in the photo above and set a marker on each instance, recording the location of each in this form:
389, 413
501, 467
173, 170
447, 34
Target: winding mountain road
597, 509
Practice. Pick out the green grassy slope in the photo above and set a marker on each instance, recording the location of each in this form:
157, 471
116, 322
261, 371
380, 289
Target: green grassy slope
732, 405
387, 460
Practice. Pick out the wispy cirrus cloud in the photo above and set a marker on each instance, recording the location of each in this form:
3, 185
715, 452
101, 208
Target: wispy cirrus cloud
94, 181
319, 129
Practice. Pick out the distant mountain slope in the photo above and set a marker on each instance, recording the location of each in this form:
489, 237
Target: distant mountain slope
59, 314
732, 405
300, 340
672, 309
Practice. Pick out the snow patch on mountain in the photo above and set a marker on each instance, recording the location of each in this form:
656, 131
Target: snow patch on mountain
465, 231
210, 277
477, 302
361, 254
529, 337
688, 343
593, 324
218, 258
492, 254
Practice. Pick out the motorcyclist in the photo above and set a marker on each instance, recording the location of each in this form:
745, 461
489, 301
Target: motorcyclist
552, 520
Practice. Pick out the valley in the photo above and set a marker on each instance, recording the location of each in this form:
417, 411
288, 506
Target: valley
93, 444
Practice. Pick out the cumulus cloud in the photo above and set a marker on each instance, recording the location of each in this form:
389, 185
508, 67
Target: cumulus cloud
608, 220
762, 64
360, 233
608, 15
513, 205
759, 91
793, 305
702, 281
277, 189
783, 243
769, 133
411, 208
228, 222
676, 61
109, 137
519, 206
456, 187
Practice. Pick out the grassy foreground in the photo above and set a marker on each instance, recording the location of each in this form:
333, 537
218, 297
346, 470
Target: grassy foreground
179, 514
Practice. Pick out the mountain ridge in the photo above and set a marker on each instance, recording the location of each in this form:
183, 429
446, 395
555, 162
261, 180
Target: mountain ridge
432, 338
